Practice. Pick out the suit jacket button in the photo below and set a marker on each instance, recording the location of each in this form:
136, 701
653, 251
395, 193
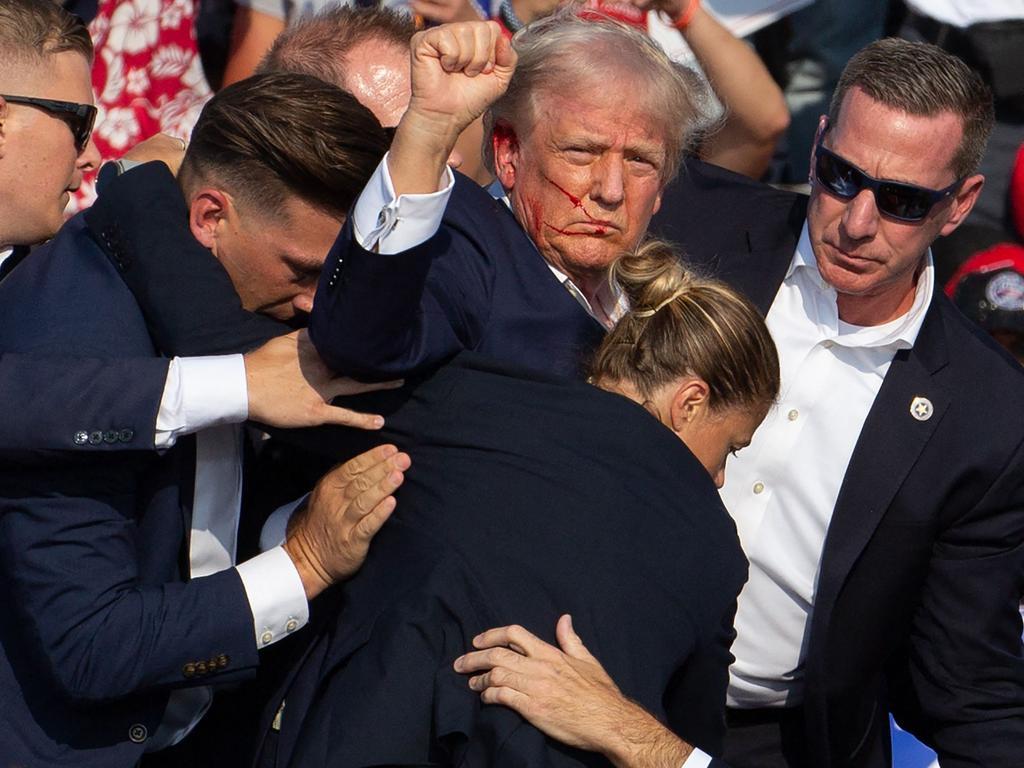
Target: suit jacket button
138, 733
81, 437
189, 670
223, 660
110, 436
126, 435
201, 668
95, 438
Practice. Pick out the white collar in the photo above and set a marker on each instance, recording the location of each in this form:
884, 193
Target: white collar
900, 333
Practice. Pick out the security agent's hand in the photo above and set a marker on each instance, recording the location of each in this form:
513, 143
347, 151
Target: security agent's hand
568, 695
169, 150
329, 537
289, 386
458, 71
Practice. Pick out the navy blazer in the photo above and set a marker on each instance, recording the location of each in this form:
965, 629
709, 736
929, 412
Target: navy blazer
529, 496
479, 284
923, 565
99, 621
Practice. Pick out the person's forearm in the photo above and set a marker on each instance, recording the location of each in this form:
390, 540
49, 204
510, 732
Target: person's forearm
640, 741
756, 113
419, 153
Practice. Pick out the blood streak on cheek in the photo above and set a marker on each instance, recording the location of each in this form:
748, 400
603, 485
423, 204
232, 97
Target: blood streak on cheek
576, 203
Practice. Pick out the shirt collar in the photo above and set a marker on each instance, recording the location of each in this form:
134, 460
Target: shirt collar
900, 333
5, 252
614, 303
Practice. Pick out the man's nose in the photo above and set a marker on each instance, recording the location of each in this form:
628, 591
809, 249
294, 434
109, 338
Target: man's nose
303, 302
608, 182
860, 219
89, 158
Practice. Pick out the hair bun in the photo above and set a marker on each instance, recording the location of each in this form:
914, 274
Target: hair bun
652, 277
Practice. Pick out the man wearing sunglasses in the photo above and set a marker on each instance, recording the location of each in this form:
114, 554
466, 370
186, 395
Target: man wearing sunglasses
881, 503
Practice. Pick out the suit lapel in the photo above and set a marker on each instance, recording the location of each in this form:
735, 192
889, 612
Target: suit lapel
890, 443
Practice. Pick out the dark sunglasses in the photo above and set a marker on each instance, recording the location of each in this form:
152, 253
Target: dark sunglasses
906, 202
79, 117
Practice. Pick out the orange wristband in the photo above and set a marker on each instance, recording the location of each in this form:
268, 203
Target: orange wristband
686, 16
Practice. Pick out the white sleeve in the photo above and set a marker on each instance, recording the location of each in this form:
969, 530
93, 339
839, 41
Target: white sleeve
697, 759
386, 224
201, 392
277, 598
275, 8
276, 527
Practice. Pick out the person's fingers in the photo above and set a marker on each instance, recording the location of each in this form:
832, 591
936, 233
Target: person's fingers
342, 474
375, 485
333, 414
504, 54
479, 661
569, 641
481, 49
506, 697
372, 522
367, 480
517, 638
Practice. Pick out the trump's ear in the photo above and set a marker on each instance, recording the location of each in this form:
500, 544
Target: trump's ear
208, 214
4, 108
505, 145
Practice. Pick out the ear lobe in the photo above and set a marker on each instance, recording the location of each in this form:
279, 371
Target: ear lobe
963, 202
505, 146
688, 402
207, 214
822, 127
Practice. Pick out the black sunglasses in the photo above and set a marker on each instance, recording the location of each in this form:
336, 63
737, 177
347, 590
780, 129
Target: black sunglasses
906, 202
79, 117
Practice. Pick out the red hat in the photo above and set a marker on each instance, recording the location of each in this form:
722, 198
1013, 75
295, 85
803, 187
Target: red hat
989, 288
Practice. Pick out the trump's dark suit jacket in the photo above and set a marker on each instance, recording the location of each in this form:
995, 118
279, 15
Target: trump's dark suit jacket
529, 496
98, 621
916, 603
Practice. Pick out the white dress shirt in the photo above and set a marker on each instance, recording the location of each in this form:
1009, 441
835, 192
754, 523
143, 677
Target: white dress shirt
5, 253
209, 394
781, 490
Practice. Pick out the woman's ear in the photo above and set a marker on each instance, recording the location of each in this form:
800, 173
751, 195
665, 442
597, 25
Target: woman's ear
689, 401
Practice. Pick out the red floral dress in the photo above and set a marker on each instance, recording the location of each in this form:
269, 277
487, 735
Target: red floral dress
147, 77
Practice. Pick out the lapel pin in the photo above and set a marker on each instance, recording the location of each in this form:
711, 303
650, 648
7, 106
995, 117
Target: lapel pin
921, 408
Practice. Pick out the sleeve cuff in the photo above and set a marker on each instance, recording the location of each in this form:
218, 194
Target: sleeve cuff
276, 596
697, 759
387, 224
276, 528
201, 392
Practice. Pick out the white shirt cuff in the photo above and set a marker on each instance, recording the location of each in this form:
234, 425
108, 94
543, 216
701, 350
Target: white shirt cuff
697, 759
275, 529
201, 392
276, 596
386, 224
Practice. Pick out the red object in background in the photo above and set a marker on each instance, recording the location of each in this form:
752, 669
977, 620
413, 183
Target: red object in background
147, 77
1017, 193
625, 12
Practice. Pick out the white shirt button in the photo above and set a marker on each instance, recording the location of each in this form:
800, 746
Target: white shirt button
267, 637
793, 415
292, 625
758, 487
828, 344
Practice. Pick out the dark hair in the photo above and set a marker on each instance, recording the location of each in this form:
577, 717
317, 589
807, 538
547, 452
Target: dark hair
320, 45
280, 134
922, 79
33, 29
683, 324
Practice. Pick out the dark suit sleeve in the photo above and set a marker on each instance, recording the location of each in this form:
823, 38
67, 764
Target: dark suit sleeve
191, 308
959, 687
389, 315
70, 550
111, 404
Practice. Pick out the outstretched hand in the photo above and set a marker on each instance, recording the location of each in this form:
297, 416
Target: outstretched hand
289, 386
567, 694
329, 537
